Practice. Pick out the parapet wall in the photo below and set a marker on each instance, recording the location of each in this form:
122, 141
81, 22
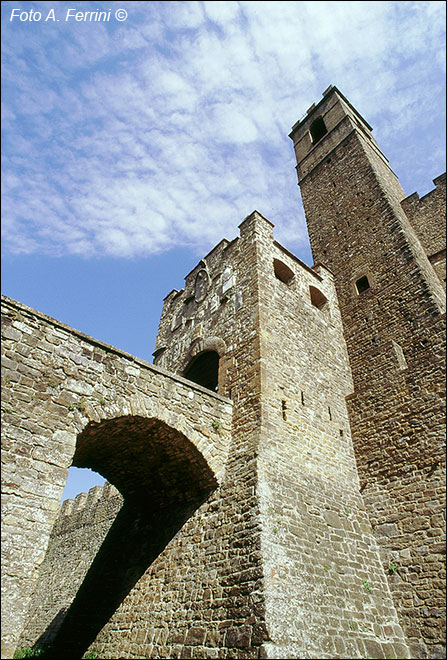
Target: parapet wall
79, 530
60, 384
427, 216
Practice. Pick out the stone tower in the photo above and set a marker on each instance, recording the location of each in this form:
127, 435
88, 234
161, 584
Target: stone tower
263, 328
282, 400
392, 307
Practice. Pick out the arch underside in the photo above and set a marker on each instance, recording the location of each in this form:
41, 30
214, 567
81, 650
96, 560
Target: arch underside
164, 479
148, 461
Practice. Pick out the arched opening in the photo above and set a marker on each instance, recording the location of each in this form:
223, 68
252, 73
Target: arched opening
317, 129
203, 370
106, 542
282, 271
317, 298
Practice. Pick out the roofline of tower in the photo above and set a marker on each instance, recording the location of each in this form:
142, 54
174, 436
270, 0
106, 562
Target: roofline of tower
252, 215
327, 92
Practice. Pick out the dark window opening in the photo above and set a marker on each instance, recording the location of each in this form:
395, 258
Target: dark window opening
282, 272
284, 409
362, 284
317, 129
302, 398
204, 370
317, 298
330, 414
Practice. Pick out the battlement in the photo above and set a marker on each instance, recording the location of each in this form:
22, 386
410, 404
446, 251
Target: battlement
427, 217
88, 508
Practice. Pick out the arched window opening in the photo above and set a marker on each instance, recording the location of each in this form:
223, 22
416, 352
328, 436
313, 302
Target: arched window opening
204, 370
317, 298
282, 272
317, 129
362, 284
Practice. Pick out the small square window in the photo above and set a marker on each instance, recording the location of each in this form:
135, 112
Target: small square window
362, 284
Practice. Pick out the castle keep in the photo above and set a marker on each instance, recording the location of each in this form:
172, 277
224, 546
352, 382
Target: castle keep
276, 479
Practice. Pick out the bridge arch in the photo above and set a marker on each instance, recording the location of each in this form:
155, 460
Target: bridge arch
67, 391
163, 479
148, 461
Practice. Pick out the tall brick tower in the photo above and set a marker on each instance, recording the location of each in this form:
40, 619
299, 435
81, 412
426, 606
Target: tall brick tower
392, 306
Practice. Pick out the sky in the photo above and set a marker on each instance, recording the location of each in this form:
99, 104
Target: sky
132, 144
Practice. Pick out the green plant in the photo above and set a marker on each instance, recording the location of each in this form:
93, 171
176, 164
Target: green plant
392, 569
366, 585
92, 655
102, 402
52, 383
352, 625
38, 652
81, 406
217, 425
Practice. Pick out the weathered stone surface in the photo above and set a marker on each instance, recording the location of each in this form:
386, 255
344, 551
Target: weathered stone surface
362, 226
294, 511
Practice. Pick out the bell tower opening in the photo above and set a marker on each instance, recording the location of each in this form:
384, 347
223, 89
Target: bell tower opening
317, 129
203, 370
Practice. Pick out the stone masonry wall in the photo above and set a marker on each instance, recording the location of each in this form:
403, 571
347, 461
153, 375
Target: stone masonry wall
326, 592
427, 216
395, 333
79, 530
69, 398
315, 544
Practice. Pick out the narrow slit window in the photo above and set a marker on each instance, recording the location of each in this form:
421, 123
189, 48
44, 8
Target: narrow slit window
400, 356
362, 284
317, 129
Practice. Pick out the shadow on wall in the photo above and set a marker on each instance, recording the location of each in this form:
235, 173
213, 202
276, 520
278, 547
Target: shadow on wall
134, 541
163, 479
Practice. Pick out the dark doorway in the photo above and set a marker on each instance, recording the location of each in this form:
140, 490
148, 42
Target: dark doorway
204, 370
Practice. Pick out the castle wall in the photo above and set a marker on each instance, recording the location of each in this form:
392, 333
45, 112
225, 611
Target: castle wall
80, 528
307, 501
321, 563
303, 518
427, 216
69, 398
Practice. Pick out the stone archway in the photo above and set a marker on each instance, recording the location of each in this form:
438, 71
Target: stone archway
163, 479
147, 460
206, 364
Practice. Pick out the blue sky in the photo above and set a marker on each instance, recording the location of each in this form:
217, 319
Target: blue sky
132, 147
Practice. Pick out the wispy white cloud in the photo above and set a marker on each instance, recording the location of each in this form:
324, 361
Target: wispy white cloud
125, 139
